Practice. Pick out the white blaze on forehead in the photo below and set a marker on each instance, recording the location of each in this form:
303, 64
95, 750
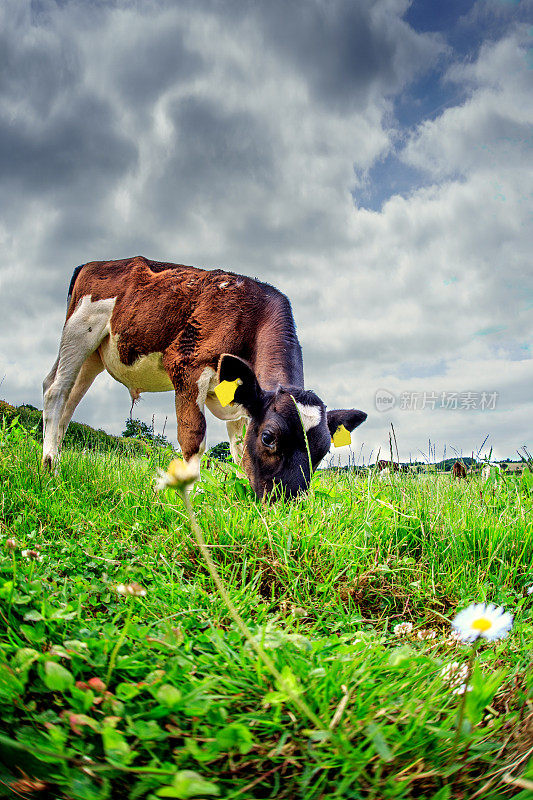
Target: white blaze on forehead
311, 415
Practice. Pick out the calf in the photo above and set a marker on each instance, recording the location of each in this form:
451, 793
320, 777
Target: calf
159, 327
459, 470
489, 469
392, 466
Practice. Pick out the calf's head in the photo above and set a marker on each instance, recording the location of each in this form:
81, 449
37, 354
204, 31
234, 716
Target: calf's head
275, 452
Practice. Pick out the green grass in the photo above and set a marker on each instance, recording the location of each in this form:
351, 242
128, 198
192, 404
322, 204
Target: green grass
188, 709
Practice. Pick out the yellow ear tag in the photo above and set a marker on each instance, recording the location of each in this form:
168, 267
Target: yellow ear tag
225, 391
341, 437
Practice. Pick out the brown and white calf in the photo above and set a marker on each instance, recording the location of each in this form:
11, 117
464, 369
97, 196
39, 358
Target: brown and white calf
459, 470
392, 466
157, 327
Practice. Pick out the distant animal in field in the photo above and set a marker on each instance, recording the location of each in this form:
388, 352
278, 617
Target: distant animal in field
459, 470
392, 466
510, 467
158, 327
495, 469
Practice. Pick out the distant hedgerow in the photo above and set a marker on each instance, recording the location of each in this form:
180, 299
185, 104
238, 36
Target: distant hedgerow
77, 435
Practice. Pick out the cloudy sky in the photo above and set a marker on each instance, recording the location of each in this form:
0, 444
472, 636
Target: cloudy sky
372, 159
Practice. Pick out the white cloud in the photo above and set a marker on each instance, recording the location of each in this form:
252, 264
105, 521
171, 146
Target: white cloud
491, 131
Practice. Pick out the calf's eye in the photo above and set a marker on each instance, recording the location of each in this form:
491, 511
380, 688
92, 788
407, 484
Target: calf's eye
268, 439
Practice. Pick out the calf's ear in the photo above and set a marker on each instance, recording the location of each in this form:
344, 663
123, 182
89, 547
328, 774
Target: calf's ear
350, 418
248, 393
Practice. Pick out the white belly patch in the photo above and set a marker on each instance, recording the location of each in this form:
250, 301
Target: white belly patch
146, 374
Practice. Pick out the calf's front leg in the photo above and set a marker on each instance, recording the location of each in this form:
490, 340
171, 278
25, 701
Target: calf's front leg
236, 432
191, 426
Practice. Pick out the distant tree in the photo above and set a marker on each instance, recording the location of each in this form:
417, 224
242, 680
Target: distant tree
220, 451
137, 429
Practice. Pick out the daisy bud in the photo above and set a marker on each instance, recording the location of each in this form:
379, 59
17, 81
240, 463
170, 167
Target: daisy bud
179, 474
298, 612
131, 589
136, 590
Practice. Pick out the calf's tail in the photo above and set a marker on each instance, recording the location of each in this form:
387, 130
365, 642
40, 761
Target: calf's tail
72, 282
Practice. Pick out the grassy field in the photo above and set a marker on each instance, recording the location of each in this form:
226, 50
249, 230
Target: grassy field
160, 694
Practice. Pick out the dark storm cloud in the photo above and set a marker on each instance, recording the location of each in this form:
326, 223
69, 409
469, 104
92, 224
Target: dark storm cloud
37, 70
348, 51
220, 142
158, 61
215, 153
80, 145
53, 131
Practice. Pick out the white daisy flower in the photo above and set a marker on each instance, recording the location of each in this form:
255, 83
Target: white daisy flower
482, 620
403, 629
530, 589
179, 474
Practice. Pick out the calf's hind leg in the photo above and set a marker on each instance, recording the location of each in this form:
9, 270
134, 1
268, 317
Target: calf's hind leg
82, 334
92, 366
48, 381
